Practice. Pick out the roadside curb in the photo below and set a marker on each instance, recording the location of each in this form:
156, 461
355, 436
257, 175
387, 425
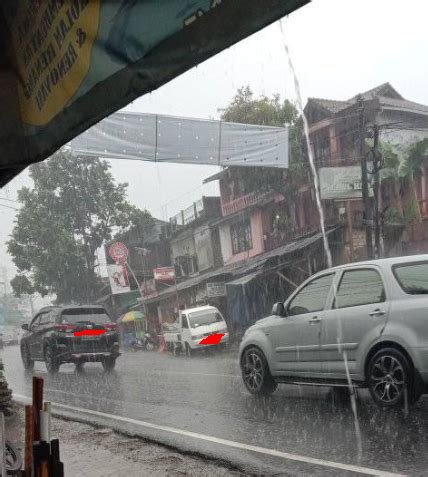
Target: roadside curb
250, 459
121, 430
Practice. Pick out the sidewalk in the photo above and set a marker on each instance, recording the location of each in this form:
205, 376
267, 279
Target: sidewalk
99, 452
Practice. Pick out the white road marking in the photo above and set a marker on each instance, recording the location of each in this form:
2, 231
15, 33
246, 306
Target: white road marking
225, 442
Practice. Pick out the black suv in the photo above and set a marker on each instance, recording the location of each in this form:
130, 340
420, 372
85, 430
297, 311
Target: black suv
70, 334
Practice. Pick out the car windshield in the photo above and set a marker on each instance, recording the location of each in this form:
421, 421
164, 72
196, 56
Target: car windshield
203, 318
85, 315
413, 277
214, 234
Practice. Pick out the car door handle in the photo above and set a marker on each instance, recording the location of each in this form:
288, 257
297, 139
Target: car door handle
377, 312
314, 320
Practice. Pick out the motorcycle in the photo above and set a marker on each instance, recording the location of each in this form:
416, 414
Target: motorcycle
147, 343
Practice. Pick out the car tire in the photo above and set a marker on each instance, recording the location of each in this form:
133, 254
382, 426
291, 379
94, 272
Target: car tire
51, 361
26, 359
109, 364
79, 367
389, 374
149, 346
256, 373
189, 351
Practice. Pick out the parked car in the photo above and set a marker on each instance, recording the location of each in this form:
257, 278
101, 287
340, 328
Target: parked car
68, 334
372, 315
192, 326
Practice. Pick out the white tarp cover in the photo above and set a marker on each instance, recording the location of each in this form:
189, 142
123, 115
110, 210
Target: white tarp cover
159, 138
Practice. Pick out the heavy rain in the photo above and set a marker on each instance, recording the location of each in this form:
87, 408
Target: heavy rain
219, 266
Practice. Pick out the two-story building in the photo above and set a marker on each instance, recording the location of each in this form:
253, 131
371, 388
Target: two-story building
335, 134
256, 221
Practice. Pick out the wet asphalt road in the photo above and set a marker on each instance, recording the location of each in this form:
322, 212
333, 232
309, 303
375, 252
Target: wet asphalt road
204, 394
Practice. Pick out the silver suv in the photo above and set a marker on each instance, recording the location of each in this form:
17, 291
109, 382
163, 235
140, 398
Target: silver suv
368, 319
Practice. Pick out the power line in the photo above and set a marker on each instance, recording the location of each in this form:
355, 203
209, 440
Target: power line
9, 207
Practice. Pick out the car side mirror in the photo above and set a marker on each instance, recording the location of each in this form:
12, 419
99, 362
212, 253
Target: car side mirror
278, 309
24, 326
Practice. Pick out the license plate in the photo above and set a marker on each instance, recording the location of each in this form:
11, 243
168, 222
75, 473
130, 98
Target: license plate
89, 338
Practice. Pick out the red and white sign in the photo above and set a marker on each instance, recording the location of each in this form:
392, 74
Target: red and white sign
118, 278
164, 274
118, 252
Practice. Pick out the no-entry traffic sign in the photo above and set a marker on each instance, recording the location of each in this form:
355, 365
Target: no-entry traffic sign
118, 252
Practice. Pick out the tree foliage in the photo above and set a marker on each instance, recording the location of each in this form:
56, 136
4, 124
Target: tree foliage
248, 109
74, 206
402, 166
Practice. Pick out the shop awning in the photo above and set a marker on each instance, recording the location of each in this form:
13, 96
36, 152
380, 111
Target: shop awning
245, 271
67, 65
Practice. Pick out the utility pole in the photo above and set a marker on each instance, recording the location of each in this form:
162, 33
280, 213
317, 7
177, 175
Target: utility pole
364, 179
376, 168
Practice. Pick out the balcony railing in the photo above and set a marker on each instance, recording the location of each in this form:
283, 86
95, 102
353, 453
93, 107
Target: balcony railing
243, 202
190, 214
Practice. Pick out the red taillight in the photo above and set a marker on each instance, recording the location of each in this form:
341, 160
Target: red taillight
110, 326
64, 328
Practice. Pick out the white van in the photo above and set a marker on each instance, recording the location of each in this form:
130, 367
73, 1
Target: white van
192, 326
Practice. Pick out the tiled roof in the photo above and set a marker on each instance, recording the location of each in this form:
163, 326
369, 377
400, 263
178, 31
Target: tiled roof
384, 89
330, 104
403, 104
386, 95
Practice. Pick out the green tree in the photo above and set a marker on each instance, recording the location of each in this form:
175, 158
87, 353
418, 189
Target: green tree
72, 209
247, 109
402, 166
409, 168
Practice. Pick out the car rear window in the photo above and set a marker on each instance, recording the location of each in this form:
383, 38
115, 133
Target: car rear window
77, 315
412, 277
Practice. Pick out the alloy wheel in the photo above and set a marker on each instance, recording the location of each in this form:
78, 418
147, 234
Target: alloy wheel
253, 370
388, 379
26, 359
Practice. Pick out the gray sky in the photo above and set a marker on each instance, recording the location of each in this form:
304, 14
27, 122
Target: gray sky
339, 47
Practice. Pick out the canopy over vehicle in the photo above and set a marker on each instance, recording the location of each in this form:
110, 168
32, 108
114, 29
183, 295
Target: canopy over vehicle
67, 65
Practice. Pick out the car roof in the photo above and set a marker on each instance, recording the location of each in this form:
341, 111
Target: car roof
68, 307
382, 262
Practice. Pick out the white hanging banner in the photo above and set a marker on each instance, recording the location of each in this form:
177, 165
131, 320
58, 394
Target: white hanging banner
158, 138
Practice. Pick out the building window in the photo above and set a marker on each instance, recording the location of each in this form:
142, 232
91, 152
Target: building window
241, 236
